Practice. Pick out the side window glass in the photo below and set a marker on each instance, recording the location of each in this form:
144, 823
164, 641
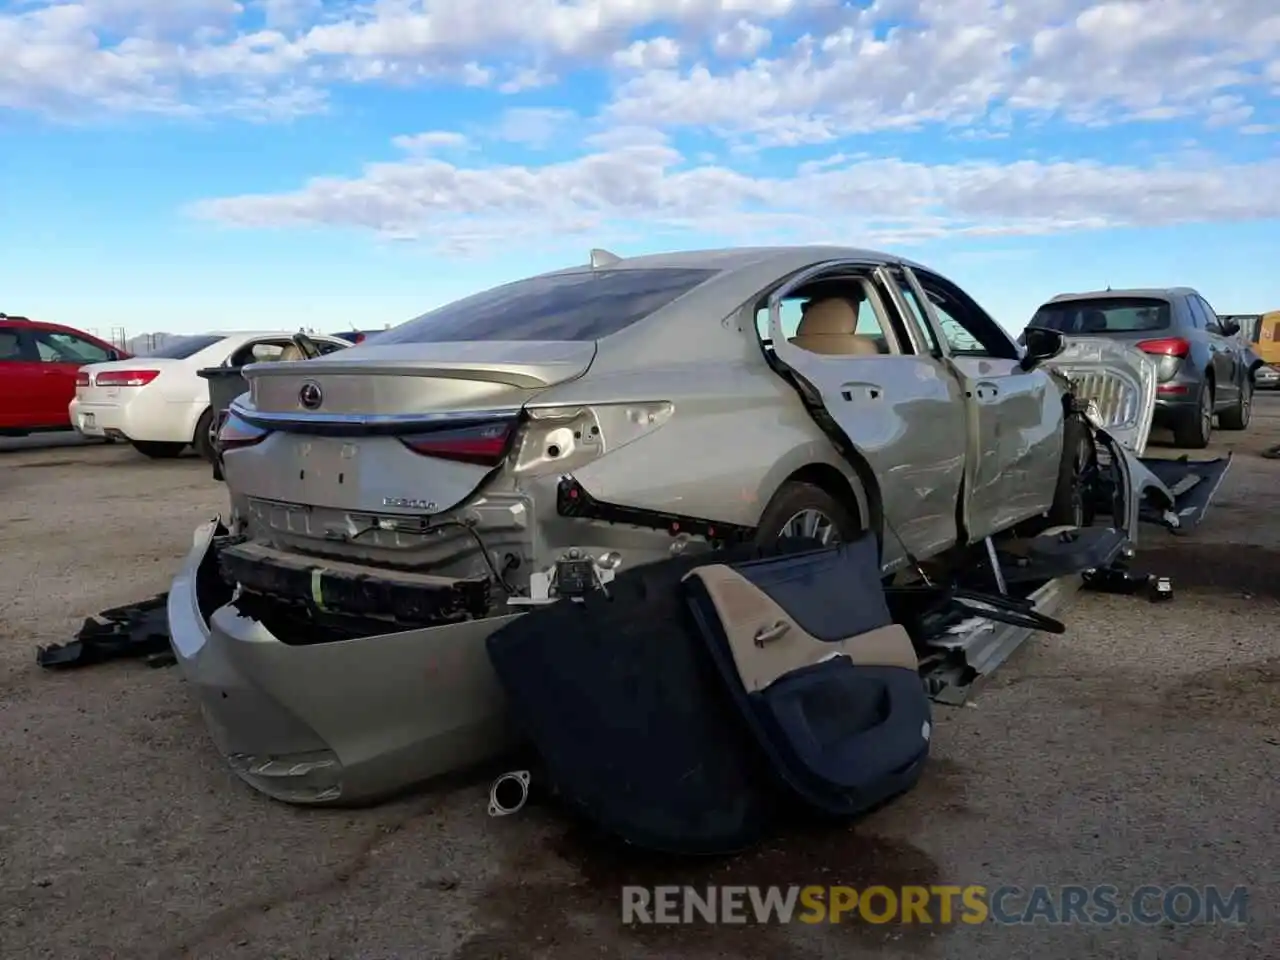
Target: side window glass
10, 345
1198, 319
1209, 316
917, 314
959, 339
56, 347
966, 327
326, 347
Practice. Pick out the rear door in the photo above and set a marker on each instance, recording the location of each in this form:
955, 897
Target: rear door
1015, 415
901, 409
62, 354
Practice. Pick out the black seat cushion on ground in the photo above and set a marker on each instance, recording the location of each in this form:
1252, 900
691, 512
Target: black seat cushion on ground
634, 729
824, 681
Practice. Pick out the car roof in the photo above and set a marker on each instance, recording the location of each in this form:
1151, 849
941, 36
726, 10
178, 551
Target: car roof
729, 259
10, 320
1150, 293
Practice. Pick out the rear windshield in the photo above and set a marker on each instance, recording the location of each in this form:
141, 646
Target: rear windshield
180, 348
1103, 316
573, 306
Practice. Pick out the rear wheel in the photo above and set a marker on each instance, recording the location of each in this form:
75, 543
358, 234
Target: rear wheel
203, 441
1196, 426
805, 510
158, 450
1237, 416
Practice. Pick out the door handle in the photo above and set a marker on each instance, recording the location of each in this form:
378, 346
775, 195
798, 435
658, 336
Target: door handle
861, 391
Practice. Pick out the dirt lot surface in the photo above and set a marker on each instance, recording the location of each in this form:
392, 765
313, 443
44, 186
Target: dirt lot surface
1141, 748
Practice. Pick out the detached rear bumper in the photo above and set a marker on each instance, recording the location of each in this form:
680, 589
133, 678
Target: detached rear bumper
336, 722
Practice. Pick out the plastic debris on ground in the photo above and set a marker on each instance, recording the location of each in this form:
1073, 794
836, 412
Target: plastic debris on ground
136, 631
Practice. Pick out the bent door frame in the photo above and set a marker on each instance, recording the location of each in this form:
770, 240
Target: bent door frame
898, 412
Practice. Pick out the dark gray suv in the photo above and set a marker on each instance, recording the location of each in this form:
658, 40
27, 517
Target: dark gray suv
1202, 370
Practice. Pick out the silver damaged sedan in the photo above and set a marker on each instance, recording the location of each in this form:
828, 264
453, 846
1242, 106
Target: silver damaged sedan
395, 503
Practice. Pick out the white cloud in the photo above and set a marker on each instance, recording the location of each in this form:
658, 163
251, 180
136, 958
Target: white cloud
430, 140
960, 61
660, 53
881, 201
741, 41
893, 64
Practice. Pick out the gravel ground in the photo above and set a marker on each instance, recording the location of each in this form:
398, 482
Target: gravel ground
1142, 747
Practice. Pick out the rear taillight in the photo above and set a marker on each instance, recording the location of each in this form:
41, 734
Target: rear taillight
236, 433
357, 338
83, 379
1166, 347
125, 378
1168, 353
483, 444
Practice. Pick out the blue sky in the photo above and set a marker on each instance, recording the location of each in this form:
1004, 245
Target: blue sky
214, 164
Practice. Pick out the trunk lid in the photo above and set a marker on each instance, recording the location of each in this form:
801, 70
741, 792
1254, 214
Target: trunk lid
385, 384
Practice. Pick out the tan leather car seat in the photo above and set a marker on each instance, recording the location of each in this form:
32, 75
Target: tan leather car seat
291, 352
828, 326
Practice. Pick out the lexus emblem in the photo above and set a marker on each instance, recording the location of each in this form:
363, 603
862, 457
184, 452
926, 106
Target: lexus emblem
310, 396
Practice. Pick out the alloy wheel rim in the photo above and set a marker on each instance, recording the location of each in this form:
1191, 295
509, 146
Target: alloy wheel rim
811, 524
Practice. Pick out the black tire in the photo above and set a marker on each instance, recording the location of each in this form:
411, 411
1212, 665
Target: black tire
203, 439
1071, 505
1237, 416
1195, 428
795, 498
159, 450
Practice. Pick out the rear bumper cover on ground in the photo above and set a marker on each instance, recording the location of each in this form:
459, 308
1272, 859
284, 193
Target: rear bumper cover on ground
337, 722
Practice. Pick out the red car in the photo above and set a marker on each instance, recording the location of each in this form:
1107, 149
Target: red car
38, 367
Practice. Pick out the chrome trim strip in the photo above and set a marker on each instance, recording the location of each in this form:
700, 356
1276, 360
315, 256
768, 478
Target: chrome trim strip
353, 423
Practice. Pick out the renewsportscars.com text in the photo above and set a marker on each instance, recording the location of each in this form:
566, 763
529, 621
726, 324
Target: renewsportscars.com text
972, 904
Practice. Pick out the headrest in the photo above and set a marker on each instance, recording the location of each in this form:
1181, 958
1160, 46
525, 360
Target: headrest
834, 316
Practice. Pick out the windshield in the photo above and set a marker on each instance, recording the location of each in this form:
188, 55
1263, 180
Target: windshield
1103, 316
573, 306
180, 348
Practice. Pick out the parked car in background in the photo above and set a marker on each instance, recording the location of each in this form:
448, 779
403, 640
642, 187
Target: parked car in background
1266, 377
1202, 369
158, 403
395, 503
38, 367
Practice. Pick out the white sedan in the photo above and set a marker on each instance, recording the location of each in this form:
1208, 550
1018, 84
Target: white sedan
158, 402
